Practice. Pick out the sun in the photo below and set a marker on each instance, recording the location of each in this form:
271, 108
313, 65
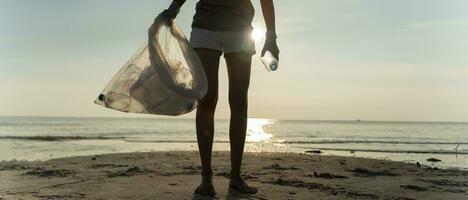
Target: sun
258, 34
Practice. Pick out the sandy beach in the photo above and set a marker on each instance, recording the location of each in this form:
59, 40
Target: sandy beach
174, 175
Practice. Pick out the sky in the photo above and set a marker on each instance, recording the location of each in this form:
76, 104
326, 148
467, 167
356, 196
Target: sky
398, 60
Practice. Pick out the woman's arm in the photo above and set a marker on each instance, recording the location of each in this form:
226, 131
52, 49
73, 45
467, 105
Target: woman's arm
268, 10
181, 2
173, 9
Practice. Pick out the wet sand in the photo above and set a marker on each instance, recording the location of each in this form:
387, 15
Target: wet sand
174, 175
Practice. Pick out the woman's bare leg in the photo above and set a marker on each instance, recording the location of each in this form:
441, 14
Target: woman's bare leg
205, 118
238, 66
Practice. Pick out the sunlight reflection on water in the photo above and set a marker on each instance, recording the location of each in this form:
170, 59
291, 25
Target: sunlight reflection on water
256, 130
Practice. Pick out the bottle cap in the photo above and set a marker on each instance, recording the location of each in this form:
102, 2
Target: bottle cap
273, 67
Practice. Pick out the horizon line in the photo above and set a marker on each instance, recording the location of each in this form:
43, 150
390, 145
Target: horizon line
191, 118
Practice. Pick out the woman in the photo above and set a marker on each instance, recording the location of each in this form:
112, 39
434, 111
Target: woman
224, 26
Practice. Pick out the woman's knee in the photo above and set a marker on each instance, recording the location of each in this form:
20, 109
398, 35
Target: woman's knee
238, 100
210, 100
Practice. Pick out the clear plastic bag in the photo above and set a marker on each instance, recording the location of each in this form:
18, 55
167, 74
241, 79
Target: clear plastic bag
164, 77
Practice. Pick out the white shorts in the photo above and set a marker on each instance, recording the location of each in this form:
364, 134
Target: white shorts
224, 41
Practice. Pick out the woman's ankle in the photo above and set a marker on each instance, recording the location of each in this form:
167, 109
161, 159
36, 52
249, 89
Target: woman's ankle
207, 174
236, 176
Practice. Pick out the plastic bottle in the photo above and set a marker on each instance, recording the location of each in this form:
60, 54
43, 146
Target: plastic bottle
270, 62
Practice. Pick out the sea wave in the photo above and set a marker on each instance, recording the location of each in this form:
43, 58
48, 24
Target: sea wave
130, 139
369, 142
315, 142
58, 138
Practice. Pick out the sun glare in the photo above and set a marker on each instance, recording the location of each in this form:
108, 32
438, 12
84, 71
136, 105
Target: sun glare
258, 34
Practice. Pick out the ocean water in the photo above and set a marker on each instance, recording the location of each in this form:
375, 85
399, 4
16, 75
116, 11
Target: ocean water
41, 138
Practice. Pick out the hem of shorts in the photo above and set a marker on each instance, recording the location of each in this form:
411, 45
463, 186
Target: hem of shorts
220, 29
204, 47
250, 52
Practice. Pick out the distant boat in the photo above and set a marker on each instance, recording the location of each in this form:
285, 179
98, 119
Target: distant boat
358, 120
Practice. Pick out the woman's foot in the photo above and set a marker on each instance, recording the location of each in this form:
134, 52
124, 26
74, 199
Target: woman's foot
241, 186
205, 189
206, 186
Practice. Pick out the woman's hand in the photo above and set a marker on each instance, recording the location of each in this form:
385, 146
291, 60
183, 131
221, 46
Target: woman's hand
168, 15
270, 45
172, 11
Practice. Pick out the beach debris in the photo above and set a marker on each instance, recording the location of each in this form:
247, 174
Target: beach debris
414, 187
279, 167
454, 190
191, 167
178, 173
59, 196
264, 172
98, 166
42, 172
324, 188
133, 169
228, 175
129, 172
433, 160
14, 167
403, 198
224, 174
326, 175
432, 168
446, 182
298, 184
456, 149
314, 151
361, 172
249, 177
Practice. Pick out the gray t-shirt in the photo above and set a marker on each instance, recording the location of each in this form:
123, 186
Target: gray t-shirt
224, 15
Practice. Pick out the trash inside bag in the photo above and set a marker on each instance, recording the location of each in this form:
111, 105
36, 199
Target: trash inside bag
163, 77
